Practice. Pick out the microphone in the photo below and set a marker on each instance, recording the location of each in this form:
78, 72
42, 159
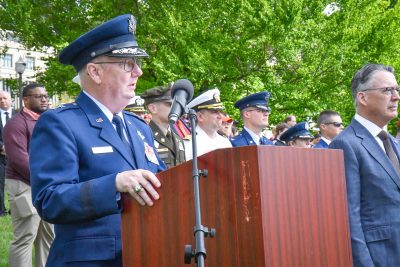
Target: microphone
182, 92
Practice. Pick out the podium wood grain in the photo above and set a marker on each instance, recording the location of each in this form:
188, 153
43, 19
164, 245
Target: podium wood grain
271, 206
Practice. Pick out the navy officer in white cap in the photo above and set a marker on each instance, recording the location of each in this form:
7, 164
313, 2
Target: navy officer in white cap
208, 107
254, 111
298, 135
89, 152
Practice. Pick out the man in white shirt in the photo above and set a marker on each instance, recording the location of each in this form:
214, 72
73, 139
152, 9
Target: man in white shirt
6, 112
330, 125
371, 158
208, 107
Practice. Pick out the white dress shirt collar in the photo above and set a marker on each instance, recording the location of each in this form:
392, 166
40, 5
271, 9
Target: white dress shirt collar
371, 127
326, 140
104, 109
255, 137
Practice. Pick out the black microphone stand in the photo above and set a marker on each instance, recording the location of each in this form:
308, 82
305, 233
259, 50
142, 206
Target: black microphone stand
200, 232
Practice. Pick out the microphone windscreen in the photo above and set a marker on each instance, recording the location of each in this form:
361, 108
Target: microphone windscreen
183, 84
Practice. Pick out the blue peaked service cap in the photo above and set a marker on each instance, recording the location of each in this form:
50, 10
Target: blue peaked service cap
114, 38
300, 130
259, 100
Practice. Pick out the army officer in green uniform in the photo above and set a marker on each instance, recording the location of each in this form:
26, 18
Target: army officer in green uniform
168, 144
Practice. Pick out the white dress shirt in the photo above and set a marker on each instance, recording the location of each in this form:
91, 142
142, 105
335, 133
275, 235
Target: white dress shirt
205, 143
3, 115
372, 128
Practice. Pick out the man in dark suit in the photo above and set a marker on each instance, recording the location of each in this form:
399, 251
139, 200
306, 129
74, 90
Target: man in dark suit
371, 158
169, 145
89, 152
330, 125
254, 111
6, 112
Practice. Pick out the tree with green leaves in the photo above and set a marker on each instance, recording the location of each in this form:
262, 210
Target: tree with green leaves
305, 57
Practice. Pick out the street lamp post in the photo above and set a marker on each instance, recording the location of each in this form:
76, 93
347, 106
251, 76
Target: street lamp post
20, 66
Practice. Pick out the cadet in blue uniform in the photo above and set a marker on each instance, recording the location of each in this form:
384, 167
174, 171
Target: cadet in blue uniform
254, 111
298, 135
90, 151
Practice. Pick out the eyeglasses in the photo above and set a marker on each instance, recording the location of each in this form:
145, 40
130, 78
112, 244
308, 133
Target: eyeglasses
385, 90
129, 64
40, 96
336, 124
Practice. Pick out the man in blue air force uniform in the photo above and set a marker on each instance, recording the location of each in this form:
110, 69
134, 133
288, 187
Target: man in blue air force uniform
254, 111
87, 153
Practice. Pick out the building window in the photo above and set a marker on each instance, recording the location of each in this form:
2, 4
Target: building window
4, 86
30, 63
6, 61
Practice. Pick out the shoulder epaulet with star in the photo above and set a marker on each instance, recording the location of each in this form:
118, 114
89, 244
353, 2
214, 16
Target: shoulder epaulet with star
67, 106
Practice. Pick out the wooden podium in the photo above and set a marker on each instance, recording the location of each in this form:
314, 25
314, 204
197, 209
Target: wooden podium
271, 206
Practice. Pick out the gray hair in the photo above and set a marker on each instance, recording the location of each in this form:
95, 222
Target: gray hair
362, 79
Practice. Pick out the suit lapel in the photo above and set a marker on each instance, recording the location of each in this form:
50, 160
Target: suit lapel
324, 144
373, 148
138, 141
97, 119
160, 137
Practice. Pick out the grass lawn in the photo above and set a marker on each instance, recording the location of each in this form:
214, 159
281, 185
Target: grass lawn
5, 237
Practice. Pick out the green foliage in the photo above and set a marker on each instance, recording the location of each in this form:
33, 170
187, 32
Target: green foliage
291, 48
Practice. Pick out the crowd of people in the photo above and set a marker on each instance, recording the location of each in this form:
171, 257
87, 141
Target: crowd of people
67, 167
215, 127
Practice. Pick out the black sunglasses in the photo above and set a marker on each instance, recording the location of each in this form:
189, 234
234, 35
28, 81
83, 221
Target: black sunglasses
336, 124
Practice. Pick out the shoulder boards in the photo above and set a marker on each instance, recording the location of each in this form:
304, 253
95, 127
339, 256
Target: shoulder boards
67, 106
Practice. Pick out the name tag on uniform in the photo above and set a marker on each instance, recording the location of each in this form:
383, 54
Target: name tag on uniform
161, 150
102, 149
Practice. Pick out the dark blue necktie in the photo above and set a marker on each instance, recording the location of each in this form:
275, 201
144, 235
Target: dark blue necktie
7, 116
119, 125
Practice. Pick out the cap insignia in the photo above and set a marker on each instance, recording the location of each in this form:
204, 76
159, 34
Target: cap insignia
132, 25
139, 101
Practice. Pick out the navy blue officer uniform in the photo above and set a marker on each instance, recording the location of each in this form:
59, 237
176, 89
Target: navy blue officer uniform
300, 130
257, 100
78, 154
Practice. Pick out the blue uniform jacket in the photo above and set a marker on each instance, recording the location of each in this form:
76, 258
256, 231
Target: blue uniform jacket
75, 155
244, 139
321, 144
373, 193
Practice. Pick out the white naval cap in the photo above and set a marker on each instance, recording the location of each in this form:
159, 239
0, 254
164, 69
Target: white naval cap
136, 104
207, 100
